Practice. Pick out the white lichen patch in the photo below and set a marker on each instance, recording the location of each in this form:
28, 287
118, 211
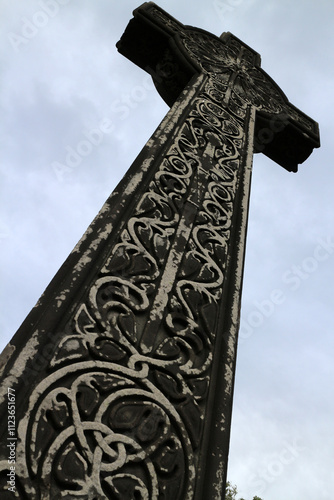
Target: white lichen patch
62, 297
27, 353
82, 263
133, 184
5, 357
218, 485
76, 249
87, 256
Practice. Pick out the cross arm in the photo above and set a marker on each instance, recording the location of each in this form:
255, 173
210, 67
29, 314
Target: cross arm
287, 138
151, 44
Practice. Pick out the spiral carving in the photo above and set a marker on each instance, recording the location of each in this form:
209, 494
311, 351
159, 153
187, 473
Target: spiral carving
120, 414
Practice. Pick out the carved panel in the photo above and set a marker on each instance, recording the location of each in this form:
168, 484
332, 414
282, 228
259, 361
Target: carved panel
232, 62
121, 412
238, 66
99, 430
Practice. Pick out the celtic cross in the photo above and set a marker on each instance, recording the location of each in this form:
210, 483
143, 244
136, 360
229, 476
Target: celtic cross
122, 376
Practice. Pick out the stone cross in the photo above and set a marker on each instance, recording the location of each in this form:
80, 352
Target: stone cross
119, 383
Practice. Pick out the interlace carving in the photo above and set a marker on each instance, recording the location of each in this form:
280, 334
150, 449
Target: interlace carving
121, 409
119, 415
235, 65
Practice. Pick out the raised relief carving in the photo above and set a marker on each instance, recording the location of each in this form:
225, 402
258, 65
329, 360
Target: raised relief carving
227, 57
99, 430
121, 411
123, 406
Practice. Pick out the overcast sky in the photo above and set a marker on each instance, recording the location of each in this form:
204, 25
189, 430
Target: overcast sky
61, 79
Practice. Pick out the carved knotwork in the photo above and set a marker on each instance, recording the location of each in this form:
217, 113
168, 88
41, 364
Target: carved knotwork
236, 66
121, 405
94, 434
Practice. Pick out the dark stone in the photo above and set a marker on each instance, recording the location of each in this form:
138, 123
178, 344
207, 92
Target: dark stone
122, 376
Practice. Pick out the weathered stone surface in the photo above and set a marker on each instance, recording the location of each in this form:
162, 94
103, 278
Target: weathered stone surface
123, 374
